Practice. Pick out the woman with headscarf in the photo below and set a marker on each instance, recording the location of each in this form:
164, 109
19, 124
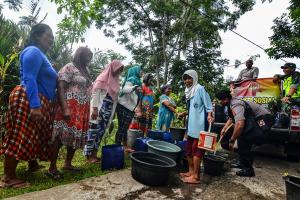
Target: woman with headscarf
143, 120
72, 116
29, 116
103, 104
128, 103
167, 109
198, 102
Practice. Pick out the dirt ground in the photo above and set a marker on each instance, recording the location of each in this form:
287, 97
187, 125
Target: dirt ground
266, 185
270, 165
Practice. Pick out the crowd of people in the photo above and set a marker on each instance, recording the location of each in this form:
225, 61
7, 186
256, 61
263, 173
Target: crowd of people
50, 109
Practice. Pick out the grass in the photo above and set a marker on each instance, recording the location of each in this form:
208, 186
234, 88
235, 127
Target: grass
38, 180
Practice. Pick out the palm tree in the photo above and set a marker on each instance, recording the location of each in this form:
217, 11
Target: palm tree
32, 18
15, 5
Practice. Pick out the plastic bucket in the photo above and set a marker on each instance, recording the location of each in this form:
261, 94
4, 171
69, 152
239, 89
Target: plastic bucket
140, 144
213, 164
132, 135
151, 169
112, 157
292, 185
177, 133
207, 141
155, 134
164, 148
167, 137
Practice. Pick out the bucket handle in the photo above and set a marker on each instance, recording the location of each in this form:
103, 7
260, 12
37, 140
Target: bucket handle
209, 127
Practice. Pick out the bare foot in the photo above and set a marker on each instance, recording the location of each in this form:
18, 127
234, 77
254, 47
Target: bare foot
14, 183
93, 160
191, 180
186, 174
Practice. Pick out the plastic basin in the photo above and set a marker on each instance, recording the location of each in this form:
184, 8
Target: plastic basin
164, 148
155, 134
132, 135
141, 144
292, 185
213, 164
151, 169
177, 133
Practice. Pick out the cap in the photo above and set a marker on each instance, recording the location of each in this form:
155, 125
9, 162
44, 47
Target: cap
288, 65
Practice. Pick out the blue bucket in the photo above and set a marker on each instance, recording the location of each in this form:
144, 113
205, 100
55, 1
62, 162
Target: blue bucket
181, 144
112, 157
167, 137
141, 144
155, 134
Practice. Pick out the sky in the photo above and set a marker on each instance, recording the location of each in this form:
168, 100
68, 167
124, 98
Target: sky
254, 25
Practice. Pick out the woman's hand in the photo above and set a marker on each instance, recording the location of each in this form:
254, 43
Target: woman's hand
210, 119
285, 100
94, 113
138, 112
66, 113
36, 114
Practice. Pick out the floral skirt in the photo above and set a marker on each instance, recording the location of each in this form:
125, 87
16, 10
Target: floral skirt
72, 133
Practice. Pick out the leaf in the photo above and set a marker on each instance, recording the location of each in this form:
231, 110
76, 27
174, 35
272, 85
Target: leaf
1, 60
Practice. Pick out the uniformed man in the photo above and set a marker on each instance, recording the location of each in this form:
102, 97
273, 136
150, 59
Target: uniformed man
249, 72
251, 122
291, 82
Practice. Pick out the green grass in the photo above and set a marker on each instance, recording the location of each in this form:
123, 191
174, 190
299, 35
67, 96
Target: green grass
38, 180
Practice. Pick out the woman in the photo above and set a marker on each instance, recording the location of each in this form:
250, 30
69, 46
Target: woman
198, 102
127, 103
144, 121
71, 121
29, 117
167, 109
103, 104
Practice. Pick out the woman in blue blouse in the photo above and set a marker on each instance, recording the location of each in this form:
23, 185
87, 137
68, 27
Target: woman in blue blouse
167, 109
198, 102
30, 117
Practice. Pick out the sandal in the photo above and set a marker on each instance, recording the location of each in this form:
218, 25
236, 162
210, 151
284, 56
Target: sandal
55, 175
18, 184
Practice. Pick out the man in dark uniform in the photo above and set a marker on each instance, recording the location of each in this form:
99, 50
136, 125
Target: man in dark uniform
251, 121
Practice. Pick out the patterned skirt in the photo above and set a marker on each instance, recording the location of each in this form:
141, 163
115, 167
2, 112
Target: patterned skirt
26, 139
72, 133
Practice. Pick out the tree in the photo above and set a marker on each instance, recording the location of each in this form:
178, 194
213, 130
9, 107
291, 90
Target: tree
32, 18
101, 59
285, 41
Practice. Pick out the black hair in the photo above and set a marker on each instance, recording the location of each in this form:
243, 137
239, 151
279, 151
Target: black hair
37, 31
164, 87
223, 94
147, 78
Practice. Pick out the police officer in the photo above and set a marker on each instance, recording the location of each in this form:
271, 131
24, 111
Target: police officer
291, 82
251, 121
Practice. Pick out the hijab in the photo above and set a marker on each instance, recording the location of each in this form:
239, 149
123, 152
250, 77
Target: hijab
190, 92
133, 76
108, 79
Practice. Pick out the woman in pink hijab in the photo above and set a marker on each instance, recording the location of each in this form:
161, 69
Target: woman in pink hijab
103, 104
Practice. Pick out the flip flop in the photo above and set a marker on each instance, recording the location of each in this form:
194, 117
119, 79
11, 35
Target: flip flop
55, 175
16, 185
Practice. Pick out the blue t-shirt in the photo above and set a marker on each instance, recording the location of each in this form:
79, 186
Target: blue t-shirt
37, 76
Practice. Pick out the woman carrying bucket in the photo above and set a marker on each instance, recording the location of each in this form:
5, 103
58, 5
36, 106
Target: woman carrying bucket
127, 106
198, 102
103, 104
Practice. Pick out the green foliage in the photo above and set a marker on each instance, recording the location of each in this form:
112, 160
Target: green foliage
101, 59
285, 41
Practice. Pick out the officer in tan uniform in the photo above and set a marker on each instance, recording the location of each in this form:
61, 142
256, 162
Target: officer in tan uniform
251, 122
